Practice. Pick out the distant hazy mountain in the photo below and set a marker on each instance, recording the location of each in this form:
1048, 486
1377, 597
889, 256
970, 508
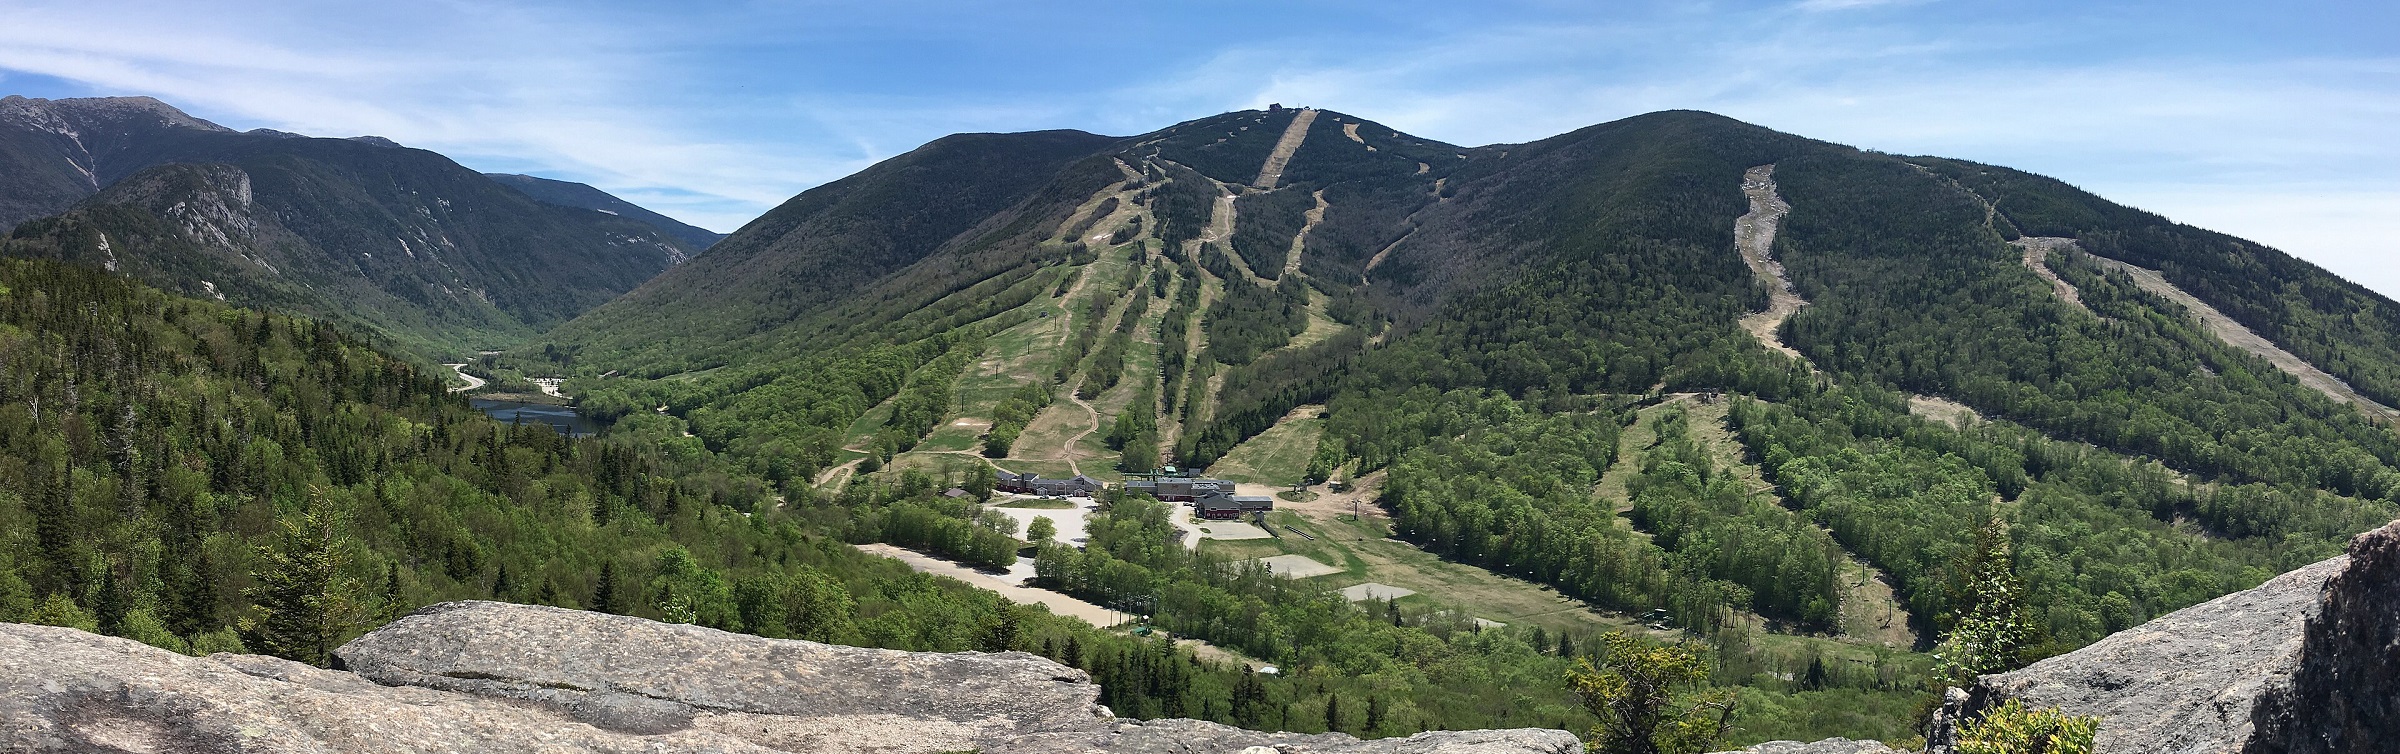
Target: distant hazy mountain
581, 196
401, 242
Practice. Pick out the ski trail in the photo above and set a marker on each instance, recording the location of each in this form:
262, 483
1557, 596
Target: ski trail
2037, 259
1754, 233
1281, 158
1291, 264
1378, 258
2233, 333
1066, 304
1220, 227
1067, 452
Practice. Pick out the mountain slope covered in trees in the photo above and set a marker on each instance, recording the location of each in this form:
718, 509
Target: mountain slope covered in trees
399, 243
1481, 327
581, 196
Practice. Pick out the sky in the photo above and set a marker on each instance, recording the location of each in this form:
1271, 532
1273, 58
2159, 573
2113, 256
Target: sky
2278, 122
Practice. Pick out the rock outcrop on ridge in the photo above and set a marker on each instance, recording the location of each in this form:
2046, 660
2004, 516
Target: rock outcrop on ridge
492, 677
2307, 662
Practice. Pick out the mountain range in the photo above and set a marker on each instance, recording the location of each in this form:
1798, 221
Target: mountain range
400, 243
1827, 409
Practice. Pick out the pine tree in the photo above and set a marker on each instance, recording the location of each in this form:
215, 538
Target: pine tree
1001, 635
1249, 699
54, 533
195, 606
305, 601
1996, 629
604, 595
1333, 713
394, 602
112, 604
1375, 711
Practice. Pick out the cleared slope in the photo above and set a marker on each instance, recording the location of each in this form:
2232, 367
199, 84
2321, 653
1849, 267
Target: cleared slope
829, 246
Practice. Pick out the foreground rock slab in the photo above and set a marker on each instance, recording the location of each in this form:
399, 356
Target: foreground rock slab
2307, 662
1827, 746
491, 677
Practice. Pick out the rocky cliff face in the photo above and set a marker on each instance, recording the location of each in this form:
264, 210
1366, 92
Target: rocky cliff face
491, 677
2307, 662
2345, 694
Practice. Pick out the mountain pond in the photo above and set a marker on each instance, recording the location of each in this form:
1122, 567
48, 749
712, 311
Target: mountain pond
565, 419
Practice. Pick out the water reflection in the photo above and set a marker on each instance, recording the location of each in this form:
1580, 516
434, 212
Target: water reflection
562, 418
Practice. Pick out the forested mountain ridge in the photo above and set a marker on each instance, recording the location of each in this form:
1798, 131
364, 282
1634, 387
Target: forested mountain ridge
571, 194
1478, 333
823, 248
399, 243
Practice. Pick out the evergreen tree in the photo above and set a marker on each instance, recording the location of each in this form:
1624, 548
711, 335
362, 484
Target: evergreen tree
1249, 699
194, 609
604, 595
1333, 712
1375, 712
57, 610
306, 603
393, 603
111, 604
1001, 635
1995, 628
1650, 698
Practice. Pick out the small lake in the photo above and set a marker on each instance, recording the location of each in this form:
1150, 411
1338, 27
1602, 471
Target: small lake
562, 418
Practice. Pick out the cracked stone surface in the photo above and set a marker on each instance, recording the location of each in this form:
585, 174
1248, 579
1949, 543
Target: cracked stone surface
493, 677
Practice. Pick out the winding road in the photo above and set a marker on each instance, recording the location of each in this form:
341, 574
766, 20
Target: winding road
473, 382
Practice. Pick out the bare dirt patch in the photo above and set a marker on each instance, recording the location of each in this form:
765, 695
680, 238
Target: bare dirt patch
1298, 566
1943, 410
1754, 234
1058, 603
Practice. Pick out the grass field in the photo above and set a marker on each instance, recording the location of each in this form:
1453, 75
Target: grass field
1043, 503
1278, 456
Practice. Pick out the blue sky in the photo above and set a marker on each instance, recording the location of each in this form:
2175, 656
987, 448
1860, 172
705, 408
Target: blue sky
2275, 121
